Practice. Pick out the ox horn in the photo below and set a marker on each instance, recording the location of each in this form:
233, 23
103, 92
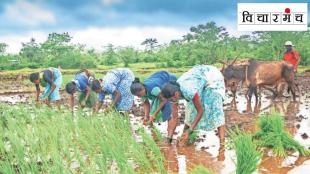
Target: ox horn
223, 67
233, 62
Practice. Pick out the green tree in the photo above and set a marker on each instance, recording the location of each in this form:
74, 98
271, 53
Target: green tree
3, 47
207, 40
57, 45
150, 44
31, 51
109, 55
188, 37
271, 44
127, 55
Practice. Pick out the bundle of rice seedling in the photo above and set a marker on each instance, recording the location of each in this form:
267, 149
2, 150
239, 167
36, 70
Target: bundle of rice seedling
246, 151
192, 137
273, 135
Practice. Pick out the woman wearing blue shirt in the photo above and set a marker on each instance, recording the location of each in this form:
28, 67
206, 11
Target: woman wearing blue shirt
81, 83
150, 90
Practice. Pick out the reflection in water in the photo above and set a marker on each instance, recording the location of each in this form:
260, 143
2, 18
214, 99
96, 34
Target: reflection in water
221, 162
290, 117
182, 159
291, 111
170, 154
256, 109
243, 114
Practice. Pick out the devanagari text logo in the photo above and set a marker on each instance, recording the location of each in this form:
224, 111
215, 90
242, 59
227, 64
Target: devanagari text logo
272, 16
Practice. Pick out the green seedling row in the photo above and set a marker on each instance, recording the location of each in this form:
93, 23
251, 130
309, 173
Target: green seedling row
42, 140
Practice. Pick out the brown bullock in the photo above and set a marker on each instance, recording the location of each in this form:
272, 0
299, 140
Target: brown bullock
257, 74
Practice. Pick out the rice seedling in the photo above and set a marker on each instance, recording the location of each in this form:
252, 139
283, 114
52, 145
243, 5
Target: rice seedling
273, 135
192, 137
200, 170
246, 151
42, 140
155, 156
157, 134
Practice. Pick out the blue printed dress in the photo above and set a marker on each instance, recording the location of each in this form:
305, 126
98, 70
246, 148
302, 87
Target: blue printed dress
208, 82
119, 79
153, 85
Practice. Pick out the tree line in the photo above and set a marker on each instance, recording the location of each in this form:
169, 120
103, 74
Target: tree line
203, 44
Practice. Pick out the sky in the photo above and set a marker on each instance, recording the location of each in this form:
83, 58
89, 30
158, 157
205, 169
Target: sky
97, 23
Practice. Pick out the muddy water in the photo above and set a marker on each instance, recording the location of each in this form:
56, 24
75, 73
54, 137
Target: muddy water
206, 150
297, 124
14, 98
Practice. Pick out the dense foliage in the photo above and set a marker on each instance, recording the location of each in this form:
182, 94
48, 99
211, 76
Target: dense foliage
205, 43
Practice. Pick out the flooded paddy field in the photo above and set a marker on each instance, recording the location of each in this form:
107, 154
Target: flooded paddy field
206, 150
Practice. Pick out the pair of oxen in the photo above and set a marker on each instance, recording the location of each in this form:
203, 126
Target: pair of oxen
256, 75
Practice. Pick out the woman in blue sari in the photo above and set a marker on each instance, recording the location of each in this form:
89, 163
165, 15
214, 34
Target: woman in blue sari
51, 79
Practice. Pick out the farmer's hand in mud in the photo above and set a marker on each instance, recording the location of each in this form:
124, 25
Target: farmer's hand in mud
145, 121
184, 139
151, 121
46, 101
83, 103
110, 109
